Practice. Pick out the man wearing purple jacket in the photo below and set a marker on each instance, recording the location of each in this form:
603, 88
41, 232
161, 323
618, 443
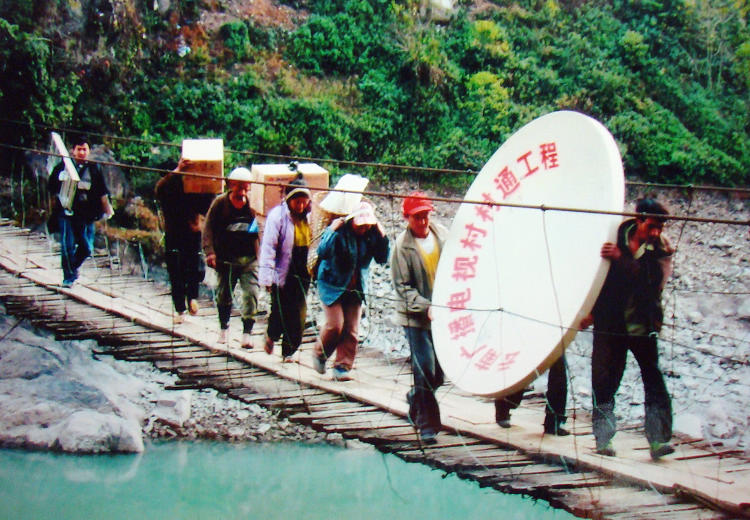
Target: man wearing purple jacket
283, 268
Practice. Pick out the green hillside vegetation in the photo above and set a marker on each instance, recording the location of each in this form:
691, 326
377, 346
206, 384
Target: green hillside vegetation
376, 80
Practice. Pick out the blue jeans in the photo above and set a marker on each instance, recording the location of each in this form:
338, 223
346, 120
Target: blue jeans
424, 412
76, 244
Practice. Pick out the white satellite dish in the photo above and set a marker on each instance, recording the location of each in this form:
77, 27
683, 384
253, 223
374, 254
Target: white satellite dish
70, 180
513, 283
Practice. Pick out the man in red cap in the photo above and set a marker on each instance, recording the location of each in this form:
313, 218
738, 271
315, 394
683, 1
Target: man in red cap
413, 265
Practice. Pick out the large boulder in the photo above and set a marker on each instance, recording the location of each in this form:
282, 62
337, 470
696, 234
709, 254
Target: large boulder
88, 431
54, 395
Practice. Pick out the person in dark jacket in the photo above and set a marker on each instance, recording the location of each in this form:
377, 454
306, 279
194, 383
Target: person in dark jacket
183, 214
346, 250
230, 243
89, 204
555, 397
627, 316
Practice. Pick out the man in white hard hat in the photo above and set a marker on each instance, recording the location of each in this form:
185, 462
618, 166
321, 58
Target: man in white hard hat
230, 243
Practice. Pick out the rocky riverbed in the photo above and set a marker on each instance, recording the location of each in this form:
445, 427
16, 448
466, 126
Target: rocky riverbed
58, 395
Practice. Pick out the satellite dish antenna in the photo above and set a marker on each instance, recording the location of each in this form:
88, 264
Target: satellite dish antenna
513, 282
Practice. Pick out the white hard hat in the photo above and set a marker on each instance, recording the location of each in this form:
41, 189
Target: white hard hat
240, 174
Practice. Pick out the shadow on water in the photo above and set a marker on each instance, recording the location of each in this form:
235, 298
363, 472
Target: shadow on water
224, 481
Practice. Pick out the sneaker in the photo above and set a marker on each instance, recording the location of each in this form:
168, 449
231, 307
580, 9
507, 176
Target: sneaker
428, 436
660, 449
247, 340
268, 345
319, 364
68, 283
503, 423
223, 336
341, 374
193, 307
607, 450
178, 318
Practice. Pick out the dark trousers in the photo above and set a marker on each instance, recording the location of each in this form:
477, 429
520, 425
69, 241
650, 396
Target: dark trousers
288, 313
556, 397
186, 272
424, 412
607, 367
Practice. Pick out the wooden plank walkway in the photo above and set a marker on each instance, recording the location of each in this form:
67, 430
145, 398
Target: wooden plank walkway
131, 319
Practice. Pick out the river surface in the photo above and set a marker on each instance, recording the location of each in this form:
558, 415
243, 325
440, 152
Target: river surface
195, 480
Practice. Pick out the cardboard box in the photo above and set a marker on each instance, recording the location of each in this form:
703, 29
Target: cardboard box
207, 160
263, 198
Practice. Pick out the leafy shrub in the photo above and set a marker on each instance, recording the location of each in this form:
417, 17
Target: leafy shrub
236, 38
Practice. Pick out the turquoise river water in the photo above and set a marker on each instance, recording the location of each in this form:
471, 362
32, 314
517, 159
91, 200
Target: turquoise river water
196, 480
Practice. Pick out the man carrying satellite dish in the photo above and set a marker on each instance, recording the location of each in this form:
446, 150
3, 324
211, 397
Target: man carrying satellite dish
413, 266
90, 202
628, 315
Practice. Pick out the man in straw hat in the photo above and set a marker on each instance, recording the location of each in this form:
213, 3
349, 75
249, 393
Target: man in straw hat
413, 265
230, 242
346, 249
283, 267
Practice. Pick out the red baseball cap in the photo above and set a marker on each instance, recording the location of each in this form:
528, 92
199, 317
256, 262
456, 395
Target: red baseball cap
416, 201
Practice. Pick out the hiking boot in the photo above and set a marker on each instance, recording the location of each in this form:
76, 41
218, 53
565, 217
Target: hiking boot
660, 449
319, 364
607, 450
556, 430
428, 436
193, 307
341, 374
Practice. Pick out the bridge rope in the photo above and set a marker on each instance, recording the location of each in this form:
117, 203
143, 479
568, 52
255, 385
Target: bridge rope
360, 164
380, 194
